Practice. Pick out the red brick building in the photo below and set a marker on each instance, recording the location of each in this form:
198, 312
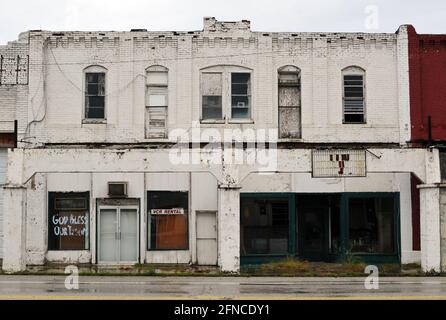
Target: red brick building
427, 67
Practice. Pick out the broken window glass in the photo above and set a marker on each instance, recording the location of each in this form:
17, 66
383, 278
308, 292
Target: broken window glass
289, 102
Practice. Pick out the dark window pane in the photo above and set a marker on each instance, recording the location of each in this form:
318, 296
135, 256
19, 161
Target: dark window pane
168, 231
240, 77
92, 89
68, 221
238, 88
264, 226
240, 101
95, 101
95, 113
371, 225
92, 77
240, 107
95, 95
354, 118
212, 107
354, 92
353, 78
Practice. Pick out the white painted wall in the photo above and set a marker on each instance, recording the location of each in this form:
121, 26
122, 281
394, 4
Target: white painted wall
3, 165
126, 55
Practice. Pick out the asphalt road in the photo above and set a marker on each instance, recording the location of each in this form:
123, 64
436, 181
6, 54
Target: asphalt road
137, 287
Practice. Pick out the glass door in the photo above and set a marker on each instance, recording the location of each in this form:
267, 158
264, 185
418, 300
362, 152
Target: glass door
108, 235
319, 226
128, 235
118, 235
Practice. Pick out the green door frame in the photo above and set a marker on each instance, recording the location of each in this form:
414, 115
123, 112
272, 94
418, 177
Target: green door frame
262, 258
326, 255
394, 257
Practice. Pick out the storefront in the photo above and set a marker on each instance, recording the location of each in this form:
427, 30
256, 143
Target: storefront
320, 227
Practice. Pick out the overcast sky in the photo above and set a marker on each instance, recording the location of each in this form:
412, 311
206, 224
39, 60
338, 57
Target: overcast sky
428, 16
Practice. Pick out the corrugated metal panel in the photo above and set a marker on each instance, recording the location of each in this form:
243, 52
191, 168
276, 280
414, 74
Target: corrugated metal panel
3, 162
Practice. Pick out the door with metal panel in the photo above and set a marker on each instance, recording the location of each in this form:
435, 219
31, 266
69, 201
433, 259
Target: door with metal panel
206, 237
118, 235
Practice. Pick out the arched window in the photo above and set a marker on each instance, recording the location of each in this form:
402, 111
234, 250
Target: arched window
354, 94
289, 92
95, 92
157, 101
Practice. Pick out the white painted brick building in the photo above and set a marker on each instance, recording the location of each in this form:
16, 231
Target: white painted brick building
101, 107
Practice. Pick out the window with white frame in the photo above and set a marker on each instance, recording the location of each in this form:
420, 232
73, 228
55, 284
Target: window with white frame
240, 95
354, 95
211, 90
156, 102
289, 92
95, 92
225, 93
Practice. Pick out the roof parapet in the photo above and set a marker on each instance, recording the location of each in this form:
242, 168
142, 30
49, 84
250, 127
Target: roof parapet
210, 24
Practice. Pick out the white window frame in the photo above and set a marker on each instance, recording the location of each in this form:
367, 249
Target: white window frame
226, 71
162, 87
354, 71
94, 69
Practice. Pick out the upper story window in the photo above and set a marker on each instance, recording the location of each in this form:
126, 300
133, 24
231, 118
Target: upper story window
95, 92
240, 95
354, 95
156, 102
225, 93
289, 92
211, 95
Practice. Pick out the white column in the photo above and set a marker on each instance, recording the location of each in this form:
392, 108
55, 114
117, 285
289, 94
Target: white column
14, 229
430, 227
229, 228
430, 213
14, 215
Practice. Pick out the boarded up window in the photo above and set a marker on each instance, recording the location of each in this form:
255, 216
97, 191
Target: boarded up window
211, 95
289, 102
14, 69
156, 102
95, 95
354, 99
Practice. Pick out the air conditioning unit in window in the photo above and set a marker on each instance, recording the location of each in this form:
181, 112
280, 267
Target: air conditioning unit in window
117, 189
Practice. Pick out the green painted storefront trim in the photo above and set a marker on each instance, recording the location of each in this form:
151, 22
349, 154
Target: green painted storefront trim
372, 258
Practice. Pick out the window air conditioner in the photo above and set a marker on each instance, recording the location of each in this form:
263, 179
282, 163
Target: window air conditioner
117, 189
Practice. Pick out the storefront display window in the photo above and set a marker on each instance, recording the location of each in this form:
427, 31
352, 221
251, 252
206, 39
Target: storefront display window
68, 221
371, 225
264, 226
168, 216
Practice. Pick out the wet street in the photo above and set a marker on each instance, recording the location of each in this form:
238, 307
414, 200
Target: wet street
137, 287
